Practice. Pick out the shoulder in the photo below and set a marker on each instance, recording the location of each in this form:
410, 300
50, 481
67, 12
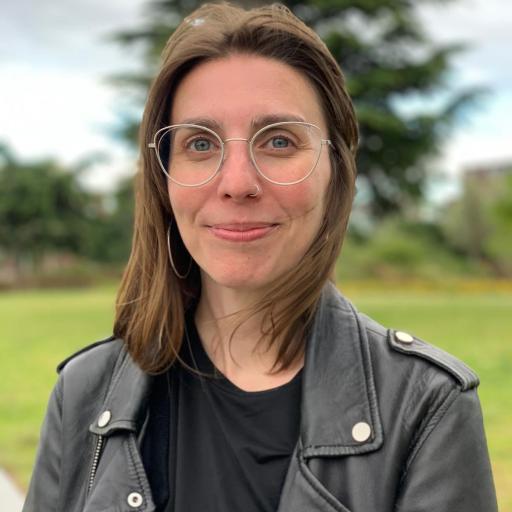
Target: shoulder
92, 350
85, 377
401, 355
96, 358
408, 350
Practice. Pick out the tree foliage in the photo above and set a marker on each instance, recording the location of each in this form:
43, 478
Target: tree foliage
45, 210
479, 223
387, 59
110, 232
42, 208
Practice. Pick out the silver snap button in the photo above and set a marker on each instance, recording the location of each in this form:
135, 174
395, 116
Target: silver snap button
403, 337
104, 419
134, 499
361, 431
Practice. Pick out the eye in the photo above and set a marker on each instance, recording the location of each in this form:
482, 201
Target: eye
280, 142
200, 144
276, 142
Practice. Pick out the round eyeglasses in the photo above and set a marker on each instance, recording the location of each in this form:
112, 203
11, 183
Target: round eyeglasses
283, 153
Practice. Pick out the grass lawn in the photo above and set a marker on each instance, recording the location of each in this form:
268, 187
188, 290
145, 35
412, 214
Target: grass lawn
39, 328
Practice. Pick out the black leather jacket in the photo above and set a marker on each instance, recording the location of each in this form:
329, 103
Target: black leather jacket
389, 423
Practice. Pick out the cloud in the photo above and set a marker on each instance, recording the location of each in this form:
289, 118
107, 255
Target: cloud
53, 111
55, 58
63, 114
71, 34
484, 140
484, 25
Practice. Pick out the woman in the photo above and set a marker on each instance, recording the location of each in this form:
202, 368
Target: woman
238, 378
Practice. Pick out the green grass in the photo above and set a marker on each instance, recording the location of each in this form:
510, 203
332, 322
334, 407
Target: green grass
39, 328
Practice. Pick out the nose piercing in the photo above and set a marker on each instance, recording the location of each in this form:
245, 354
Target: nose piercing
257, 193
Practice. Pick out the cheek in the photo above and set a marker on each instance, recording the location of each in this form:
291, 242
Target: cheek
308, 198
185, 206
184, 202
176, 199
302, 201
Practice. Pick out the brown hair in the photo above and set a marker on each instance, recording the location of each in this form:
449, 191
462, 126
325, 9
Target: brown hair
152, 301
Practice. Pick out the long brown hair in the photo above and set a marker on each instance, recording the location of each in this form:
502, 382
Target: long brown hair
152, 300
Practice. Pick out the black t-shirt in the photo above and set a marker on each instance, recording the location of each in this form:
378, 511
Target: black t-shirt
211, 446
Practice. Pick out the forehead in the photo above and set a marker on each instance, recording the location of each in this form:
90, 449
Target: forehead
237, 90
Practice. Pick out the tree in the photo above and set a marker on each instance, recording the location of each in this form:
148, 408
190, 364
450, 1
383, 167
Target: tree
42, 209
499, 244
478, 224
110, 231
386, 57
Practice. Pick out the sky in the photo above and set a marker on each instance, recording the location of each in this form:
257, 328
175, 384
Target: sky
55, 100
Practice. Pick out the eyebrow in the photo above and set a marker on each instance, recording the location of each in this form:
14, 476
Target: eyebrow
260, 122
256, 123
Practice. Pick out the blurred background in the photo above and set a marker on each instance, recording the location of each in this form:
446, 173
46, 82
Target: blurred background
429, 247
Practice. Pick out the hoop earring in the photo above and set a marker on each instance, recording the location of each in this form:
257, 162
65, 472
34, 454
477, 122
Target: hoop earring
171, 261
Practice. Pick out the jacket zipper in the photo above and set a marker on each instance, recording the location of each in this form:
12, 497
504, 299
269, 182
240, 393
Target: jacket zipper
95, 461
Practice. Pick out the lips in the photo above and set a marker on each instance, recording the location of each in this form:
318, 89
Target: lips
242, 231
242, 226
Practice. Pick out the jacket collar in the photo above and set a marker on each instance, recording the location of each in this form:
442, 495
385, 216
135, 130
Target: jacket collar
338, 386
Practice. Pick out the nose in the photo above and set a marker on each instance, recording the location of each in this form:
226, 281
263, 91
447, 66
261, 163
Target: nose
239, 179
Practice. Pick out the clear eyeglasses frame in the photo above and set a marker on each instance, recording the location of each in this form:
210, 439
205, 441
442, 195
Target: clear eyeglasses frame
312, 153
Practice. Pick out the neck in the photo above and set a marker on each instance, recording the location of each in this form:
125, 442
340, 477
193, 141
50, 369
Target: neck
234, 341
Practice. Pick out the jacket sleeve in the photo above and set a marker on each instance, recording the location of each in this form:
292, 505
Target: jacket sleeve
449, 468
43, 492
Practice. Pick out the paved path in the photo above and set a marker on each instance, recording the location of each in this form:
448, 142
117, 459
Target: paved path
11, 499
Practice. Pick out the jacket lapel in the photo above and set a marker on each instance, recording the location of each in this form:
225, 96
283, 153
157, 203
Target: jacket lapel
338, 388
302, 491
338, 394
120, 476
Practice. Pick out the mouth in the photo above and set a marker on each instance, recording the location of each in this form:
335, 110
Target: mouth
243, 231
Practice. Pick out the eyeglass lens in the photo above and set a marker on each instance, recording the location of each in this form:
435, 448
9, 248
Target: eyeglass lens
283, 153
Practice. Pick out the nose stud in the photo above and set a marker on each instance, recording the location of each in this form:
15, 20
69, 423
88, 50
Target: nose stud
257, 193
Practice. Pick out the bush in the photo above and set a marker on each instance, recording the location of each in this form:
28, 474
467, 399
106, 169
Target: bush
397, 249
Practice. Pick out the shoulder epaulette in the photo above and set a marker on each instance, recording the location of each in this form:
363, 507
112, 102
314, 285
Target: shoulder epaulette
408, 344
62, 364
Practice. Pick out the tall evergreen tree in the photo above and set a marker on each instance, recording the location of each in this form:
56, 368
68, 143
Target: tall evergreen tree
387, 59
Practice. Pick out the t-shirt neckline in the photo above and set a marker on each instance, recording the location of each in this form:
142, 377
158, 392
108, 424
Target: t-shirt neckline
201, 361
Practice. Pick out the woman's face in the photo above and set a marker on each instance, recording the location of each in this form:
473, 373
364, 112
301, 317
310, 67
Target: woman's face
240, 238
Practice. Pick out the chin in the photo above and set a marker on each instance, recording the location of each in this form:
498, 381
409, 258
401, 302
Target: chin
237, 280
